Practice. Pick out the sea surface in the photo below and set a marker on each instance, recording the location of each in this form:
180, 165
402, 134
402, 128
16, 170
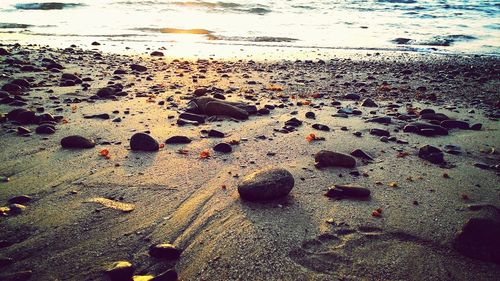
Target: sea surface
205, 27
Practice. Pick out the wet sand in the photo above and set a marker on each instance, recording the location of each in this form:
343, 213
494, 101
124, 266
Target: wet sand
193, 203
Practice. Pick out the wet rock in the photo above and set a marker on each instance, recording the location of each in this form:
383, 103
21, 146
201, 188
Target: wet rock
105, 92
192, 117
381, 120
120, 271
267, 184
434, 116
178, 140
345, 191
45, 129
452, 149
143, 142
221, 108
455, 124
310, 115
21, 199
169, 275
23, 130
326, 158
138, 67
352, 96
157, 54
215, 134
431, 154
16, 209
380, 132
76, 141
425, 129
476, 127
200, 92
361, 154
478, 239
321, 127
223, 147
369, 103
164, 251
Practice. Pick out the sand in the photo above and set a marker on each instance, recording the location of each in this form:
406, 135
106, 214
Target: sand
66, 234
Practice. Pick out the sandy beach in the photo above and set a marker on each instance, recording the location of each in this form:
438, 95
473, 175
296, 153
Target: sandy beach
418, 133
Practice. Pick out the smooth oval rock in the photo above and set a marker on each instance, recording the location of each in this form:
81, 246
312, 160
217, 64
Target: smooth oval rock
326, 158
380, 132
223, 147
21, 199
77, 142
121, 271
343, 191
143, 142
431, 154
164, 251
178, 140
267, 184
225, 109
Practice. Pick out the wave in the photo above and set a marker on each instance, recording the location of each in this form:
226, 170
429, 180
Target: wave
440, 40
199, 31
46, 6
269, 39
235, 7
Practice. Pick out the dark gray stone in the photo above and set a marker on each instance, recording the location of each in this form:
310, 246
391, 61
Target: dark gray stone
267, 184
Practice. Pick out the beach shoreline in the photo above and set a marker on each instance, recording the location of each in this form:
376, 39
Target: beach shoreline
78, 219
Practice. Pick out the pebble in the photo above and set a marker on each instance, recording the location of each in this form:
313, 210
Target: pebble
343, 191
455, 124
431, 154
23, 130
326, 158
434, 116
164, 251
369, 103
76, 141
381, 120
361, 154
478, 239
215, 134
310, 115
178, 140
192, 117
214, 108
121, 271
143, 142
380, 132
352, 96
21, 199
138, 67
266, 184
223, 147
321, 127
425, 129
45, 129
16, 209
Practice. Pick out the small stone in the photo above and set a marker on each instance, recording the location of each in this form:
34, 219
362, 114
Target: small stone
380, 132
321, 127
77, 142
310, 115
164, 251
434, 116
21, 199
200, 92
266, 184
121, 271
343, 191
23, 130
476, 127
214, 108
143, 142
381, 120
215, 134
455, 124
326, 158
178, 140
157, 54
478, 239
352, 96
16, 209
369, 103
223, 147
45, 129
138, 67
105, 92
361, 154
427, 111
431, 154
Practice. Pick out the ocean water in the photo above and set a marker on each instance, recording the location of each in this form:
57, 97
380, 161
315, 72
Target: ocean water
202, 27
